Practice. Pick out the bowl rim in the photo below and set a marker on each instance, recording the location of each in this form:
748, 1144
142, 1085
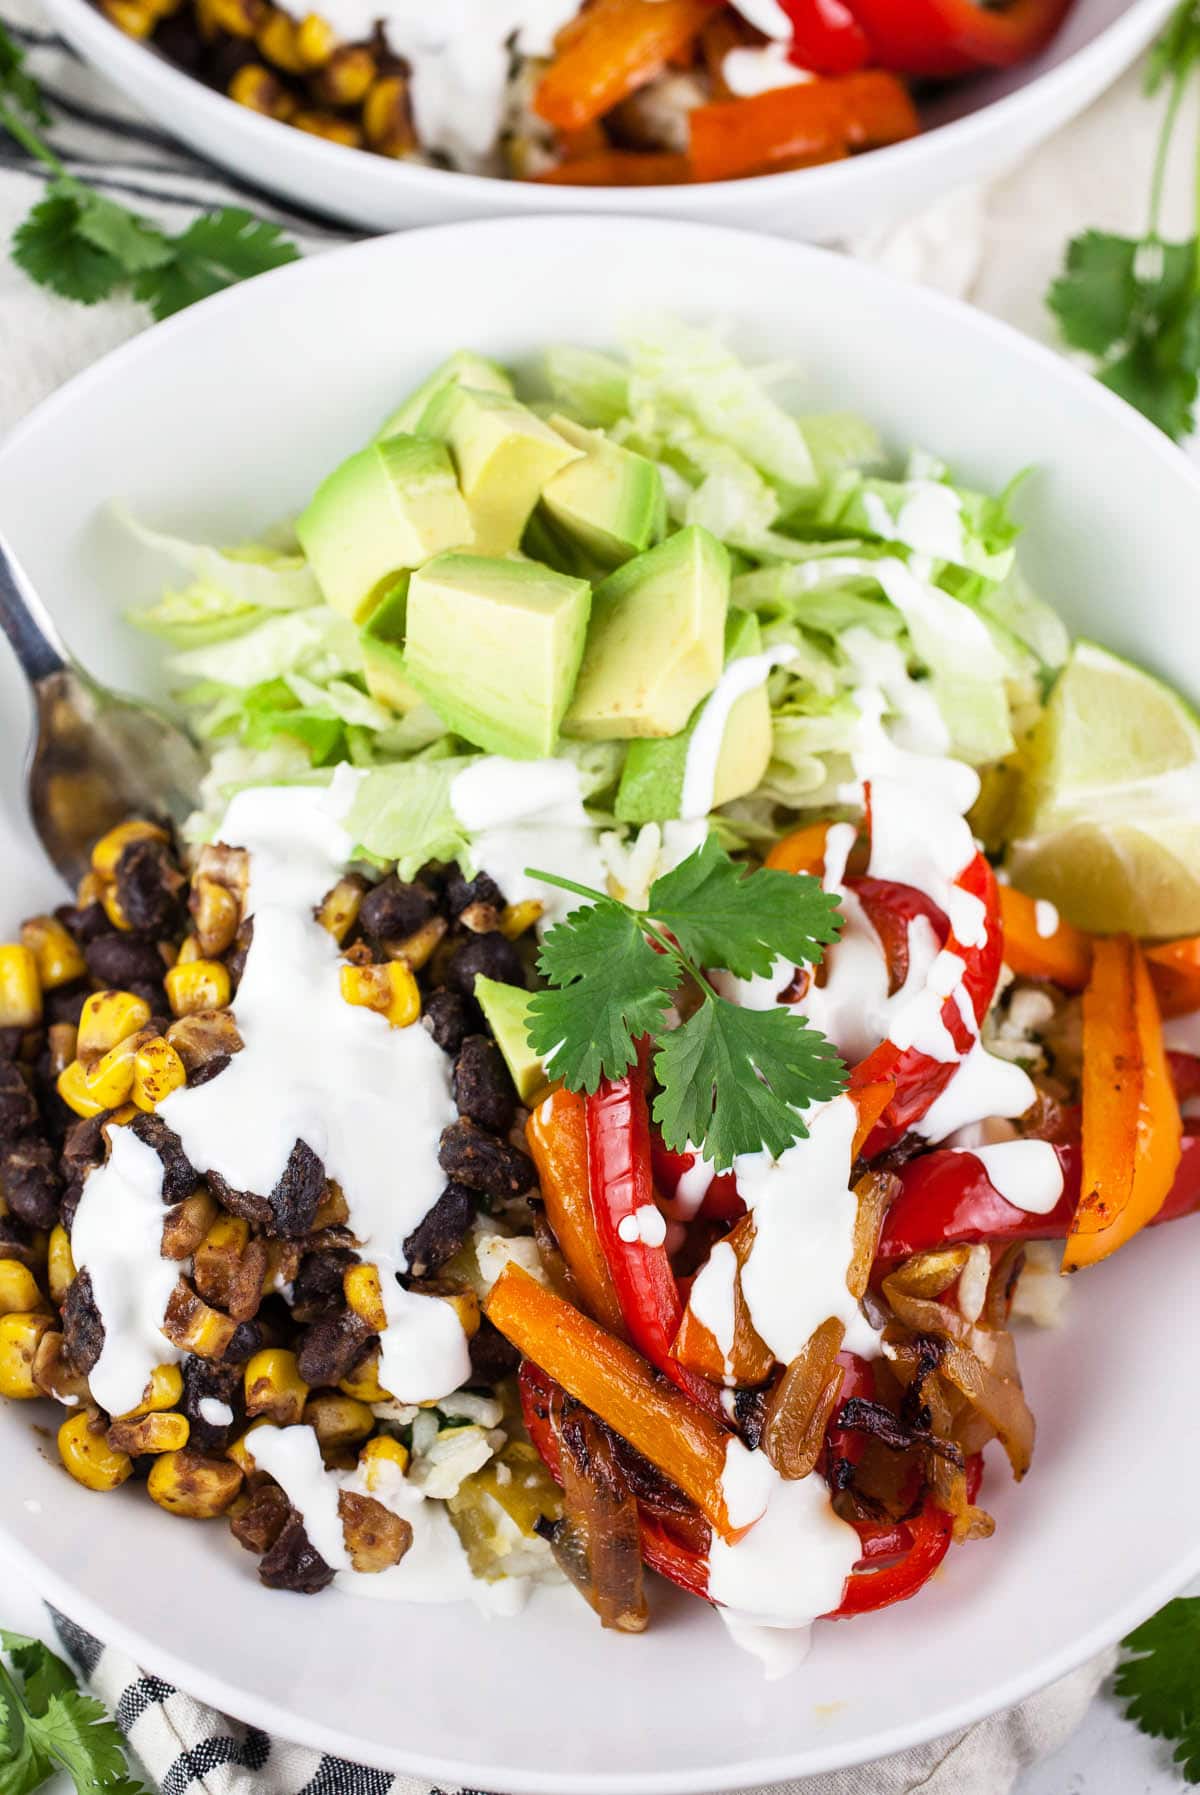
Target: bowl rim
1078, 388
1121, 39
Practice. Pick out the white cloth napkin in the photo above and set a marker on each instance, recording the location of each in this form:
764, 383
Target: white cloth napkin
998, 248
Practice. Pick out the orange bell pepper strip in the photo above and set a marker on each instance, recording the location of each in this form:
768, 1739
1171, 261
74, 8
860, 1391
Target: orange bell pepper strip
732, 138
556, 1134
620, 168
1175, 970
615, 47
750, 1360
803, 851
1131, 1123
616, 1383
1064, 955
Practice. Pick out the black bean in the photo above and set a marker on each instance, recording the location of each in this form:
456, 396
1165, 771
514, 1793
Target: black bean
10, 1043
18, 1110
150, 994
492, 955
64, 1003
83, 1147
206, 1380
287, 1213
30, 1181
317, 1289
180, 1176
492, 1356
235, 959
293, 1562
330, 1348
483, 1087
84, 923
477, 1159
122, 961
462, 893
209, 1069
450, 1018
148, 886
21, 1243
247, 1338
83, 1328
392, 910
442, 1232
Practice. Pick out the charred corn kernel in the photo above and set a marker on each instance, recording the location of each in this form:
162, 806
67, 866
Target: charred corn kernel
20, 1336
189, 950
255, 87
415, 950
20, 989
187, 1483
338, 1420
386, 118
276, 38
163, 1392
364, 1295
110, 847
190, 1324
108, 1017
113, 908
224, 866
71, 1085
347, 75
332, 1211
330, 127
87, 1455
316, 41
166, 1432
377, 1455
228, 1234
203, 1037
198, 985
516, 919
58, 959
216, 914
391, 990
62, 1045
130, 16
363, 1382
340, 907
239, 1450
465, 1304
19, 1293
157, 1071
60, 1263
240, 18
274, 1387
54, 1374
119, 1119
110, 1080
186, 1226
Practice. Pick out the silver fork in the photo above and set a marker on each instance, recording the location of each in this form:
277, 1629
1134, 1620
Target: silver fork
96, 757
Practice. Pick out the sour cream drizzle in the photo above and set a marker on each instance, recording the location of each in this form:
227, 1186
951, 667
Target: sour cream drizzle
523, 813
1027, 1174
704, 749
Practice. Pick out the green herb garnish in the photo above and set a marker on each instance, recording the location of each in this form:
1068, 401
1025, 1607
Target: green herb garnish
47, 1725
731, 1079
87, 247
1160, 1686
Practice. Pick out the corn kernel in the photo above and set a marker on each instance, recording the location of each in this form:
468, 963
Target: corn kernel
162, 1392
132, 17
71, 1086
60, 1264
416, 949
189, 950
240, 1452
515, 919
337, 1420
187, 1483
240, 18
379, 1453
329, 126
391, 990
20, 990
62, 1046
276, 38
340, 907
364, 1295
19, 1292
110, 847
274, 1387
199, 985
87, 1455
256, 88
157, 1071
113, 907
332, 1211
386, 118
108, 1017
315, 41
190, 1324
110, 1080
58, 959
216, 914
347, 75
186, 1226
363, 1382
158, 1432
20, 1336
55, 1375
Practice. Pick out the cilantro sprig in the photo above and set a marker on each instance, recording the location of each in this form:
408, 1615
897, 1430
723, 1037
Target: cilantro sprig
48, 1725
1133, 303
1160, 1685
731, 1080
87, 247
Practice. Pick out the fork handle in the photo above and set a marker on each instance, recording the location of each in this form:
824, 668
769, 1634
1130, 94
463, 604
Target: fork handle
25, 621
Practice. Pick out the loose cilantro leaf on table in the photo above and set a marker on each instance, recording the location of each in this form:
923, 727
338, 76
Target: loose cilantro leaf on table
47, 1725
1160, 1686
731, 1080
86, 247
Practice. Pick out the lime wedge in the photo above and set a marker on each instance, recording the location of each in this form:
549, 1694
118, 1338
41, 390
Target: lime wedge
1108, 817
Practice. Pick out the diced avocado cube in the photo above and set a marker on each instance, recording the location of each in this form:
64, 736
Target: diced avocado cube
504, 454
382, 638
383, 511
612, 502
651, 788
495, 646
505, 1009
656, 644
463, 368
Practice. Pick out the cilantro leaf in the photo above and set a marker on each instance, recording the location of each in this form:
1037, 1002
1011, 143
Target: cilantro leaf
134, 242
49, 247
1177, 50
215, 251
612, 987
50, 1725
722, 914
43, 1673
18, 88
1160, 1687
78, 1732
736, 1079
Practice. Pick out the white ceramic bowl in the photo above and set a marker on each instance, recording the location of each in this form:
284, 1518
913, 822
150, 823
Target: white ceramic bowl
220, 422
977, 128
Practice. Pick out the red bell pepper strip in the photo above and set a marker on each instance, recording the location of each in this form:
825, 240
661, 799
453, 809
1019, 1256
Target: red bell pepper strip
890, 907
621, 1182
1185, 1075
914, 1550
951, 37
844, 1447
826, 36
